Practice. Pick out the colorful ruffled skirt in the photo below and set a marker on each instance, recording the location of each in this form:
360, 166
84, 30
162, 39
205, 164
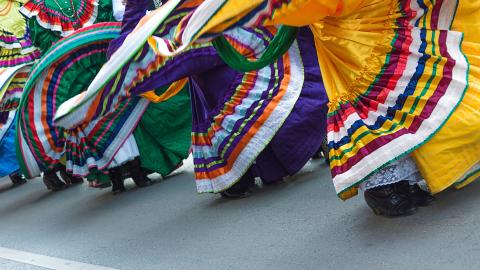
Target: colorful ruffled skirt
16, 47
401, 78
270, 120
163, 134
48, 22
65, 71
12, 82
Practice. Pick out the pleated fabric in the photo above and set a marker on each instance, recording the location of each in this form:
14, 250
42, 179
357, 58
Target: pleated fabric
272, 119
66, 69
401, 77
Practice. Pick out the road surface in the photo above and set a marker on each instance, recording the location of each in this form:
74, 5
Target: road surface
297, 225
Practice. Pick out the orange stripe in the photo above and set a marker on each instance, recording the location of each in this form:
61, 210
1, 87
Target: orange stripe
254, 129
44, 109
172, 91
91, 113
229, 108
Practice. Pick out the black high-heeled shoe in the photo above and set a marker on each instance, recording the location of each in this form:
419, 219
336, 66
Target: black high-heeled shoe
69, 178
420, 197
391, 200
17, 179
135, 169
273, 183
117, 181
241, 189
52, 182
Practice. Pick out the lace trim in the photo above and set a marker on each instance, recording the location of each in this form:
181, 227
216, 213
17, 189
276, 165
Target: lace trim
404, 169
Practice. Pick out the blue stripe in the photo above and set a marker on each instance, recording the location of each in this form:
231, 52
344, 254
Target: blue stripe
409, 90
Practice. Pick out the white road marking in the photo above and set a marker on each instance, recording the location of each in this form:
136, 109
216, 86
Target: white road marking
46, 261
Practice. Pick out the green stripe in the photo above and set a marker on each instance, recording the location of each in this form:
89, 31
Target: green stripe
467, 75
465, 178
280, 44
404, 116
379, 76
64, 46
125, 60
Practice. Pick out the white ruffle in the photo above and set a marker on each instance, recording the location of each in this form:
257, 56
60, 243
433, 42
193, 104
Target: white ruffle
404, 169
128, 152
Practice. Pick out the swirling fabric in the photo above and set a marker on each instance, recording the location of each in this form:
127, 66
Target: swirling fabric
401, 77
16, 47
241, 121
40, 143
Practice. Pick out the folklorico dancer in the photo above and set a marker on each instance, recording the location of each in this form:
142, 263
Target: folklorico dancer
49, 21
401, 78
162, 134
17, 54
139, 136
246, 124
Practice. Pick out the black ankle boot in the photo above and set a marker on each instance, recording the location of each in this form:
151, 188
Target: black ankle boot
70, 179
135, 169
117, 180
391, 200
17, 179
241, 189
52, 182
420, 197
273, 183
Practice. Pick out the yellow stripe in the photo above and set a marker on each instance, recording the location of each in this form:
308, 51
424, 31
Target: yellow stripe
399, 114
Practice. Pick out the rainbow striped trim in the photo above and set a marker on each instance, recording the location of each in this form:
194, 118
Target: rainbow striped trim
259, 104
41, 143
422, 81
54, 20
13, 93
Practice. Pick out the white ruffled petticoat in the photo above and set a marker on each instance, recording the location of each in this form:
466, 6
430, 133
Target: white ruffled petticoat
404, 169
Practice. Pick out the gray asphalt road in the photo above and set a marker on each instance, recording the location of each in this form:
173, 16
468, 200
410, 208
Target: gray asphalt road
297, 225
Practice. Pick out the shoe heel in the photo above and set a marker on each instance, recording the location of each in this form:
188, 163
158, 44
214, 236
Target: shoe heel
48, 185
117, 181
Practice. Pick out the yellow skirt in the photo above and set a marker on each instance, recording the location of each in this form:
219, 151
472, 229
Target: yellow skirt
452, 156
406, 51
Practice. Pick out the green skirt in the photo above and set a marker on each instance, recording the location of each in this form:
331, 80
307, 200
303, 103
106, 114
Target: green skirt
163, 134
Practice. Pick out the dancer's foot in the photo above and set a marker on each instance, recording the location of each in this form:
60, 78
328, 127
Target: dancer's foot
137, 174
241, 189
324, 149
318, 154
390, 200
98, 184
17, 179
117, 181
52, 182
70, 179
420, 197
273, 183
236, 193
